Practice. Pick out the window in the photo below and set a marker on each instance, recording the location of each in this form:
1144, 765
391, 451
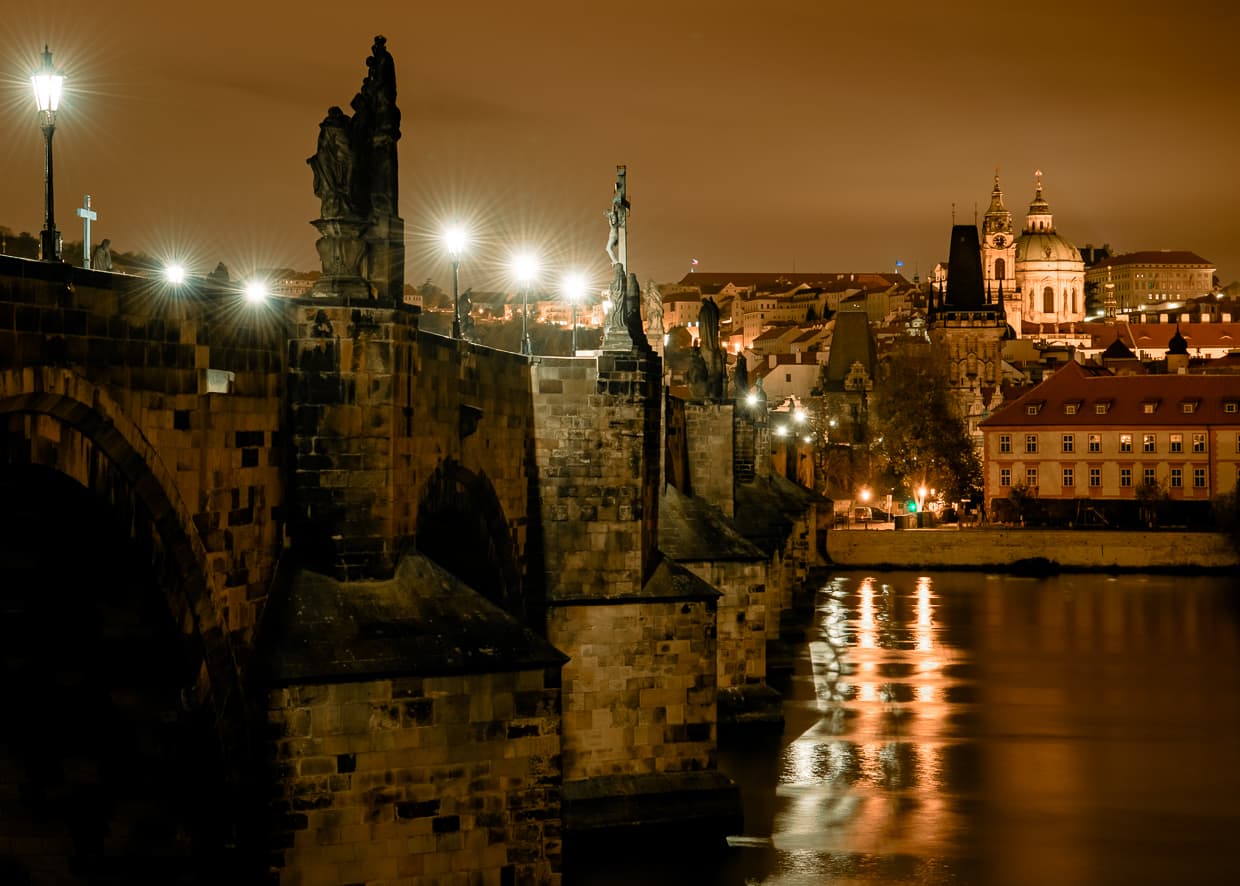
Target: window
1125, 476
1148, 407
1177, 442
1031, 409
1070, 408
1095, 477
1147, 443
1095, 442
1031, 442
1188, 406
1101, 408
1231, 406
1005, 476
1125, 442
1237, 442
1199, 442
1005, 442
1177, 478
1031, 477
1069, 478
1148, 478
1199, 478
1069, 441
1000, 264
1048, 300
787, 376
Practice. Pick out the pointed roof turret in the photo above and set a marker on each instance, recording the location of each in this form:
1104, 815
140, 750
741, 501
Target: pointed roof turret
997, 219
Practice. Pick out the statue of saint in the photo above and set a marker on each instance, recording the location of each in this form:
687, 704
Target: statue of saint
712, 354
332, 164
696, 375
654, 309
740, 377
633, 311
101, 257
383, 117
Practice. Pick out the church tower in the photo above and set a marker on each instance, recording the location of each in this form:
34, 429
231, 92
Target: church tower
998, 246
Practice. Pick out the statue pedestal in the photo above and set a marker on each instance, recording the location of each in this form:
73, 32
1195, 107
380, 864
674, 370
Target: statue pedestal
385, 250
341, 249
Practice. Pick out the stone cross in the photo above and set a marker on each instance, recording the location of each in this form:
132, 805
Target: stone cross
88, 215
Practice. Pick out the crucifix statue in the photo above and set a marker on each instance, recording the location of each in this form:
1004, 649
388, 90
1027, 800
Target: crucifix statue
617, 218
88, 215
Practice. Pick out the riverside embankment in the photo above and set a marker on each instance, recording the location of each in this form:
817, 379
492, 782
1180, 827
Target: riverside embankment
1068, 549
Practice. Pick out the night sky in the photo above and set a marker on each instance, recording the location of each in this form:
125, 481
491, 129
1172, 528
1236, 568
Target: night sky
809, 135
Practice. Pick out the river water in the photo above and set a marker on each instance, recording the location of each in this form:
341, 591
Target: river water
954, 728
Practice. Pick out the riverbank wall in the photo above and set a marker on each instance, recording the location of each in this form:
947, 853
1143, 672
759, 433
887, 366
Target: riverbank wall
1041, 549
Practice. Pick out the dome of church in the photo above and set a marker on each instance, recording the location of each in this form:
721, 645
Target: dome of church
1045, 246
1178, 343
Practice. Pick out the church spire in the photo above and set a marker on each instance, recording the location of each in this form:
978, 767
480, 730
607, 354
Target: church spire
997, 219
1039, 220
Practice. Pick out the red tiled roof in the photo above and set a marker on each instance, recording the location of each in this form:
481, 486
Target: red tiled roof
1125, 394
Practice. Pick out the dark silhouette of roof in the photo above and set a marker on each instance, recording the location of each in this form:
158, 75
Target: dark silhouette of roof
851, 342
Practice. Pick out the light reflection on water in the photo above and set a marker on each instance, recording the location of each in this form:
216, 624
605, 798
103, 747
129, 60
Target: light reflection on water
964, 728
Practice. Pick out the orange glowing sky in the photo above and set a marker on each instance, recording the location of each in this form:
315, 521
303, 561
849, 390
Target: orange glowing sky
758, 136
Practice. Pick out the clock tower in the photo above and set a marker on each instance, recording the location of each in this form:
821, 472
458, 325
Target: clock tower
998, 247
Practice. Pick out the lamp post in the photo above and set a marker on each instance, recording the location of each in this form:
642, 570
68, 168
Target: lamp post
525, 266
454, 240
48, 84
574, 289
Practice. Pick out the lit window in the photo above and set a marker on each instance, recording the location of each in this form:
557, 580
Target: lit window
1095, 476
1147, 443
1125, 477
1068, 477
1095, 442
1005, 476
1101, 408
1177, 443
1069, 408
1125, 442
1005, 442
1031, 477
1199, 442
1148, 407
1069, 442
1177, 478
1199, 478
1031, 442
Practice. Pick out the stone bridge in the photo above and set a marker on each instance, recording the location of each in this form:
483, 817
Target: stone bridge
296, 590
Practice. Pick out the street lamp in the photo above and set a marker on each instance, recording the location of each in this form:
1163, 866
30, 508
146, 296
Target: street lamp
574, 290
48, 85
454, 240
525, 266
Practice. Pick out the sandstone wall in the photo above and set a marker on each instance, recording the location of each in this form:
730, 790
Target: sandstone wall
419, 780
1076, 549
639, 690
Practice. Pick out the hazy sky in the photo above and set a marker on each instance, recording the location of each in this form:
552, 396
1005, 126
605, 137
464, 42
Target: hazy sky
759, 136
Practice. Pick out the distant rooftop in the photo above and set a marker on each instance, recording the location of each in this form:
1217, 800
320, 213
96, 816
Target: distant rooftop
822, 280
1155, 257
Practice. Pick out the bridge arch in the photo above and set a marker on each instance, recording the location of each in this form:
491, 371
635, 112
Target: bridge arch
134, 628
461, 526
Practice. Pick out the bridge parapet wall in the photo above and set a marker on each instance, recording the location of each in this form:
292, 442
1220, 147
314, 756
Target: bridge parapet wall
194, 371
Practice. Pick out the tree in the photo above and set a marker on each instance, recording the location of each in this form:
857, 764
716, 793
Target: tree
917, 433
1150, 498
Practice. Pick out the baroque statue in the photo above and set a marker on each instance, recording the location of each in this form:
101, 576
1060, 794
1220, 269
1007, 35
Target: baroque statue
654, 309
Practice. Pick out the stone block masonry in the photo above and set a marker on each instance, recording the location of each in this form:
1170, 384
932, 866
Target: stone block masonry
418, 780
